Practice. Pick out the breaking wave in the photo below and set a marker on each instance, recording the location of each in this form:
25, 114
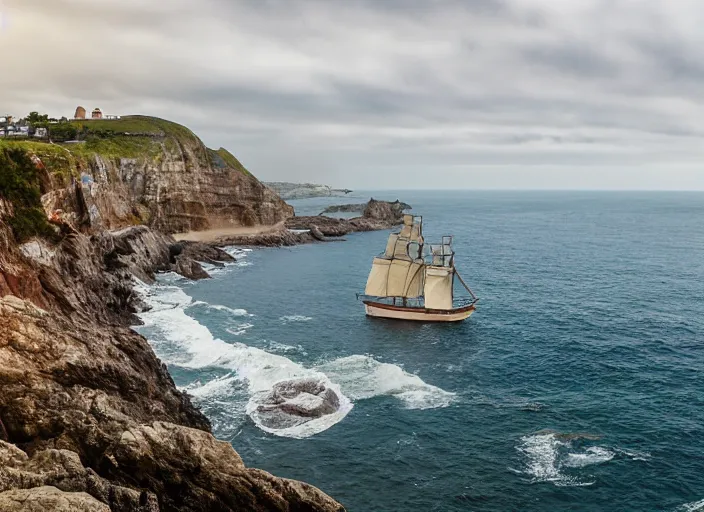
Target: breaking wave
295, 318
696, 506
279, 395
362, 377
556, 458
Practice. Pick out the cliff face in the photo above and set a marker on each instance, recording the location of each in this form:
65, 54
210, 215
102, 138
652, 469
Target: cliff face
89, 417
142, 170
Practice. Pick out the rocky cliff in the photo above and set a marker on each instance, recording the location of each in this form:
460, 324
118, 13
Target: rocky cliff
143, 170
89, 417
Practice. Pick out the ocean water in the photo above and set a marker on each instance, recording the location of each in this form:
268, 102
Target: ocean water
577, 385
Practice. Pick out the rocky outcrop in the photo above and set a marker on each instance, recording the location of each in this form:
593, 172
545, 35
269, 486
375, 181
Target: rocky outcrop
374, 209
279, 238
41, 499
293, 402
344, 208
385, 211
376, 215
89, 417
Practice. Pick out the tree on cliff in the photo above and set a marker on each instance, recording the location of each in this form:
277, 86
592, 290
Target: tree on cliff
37, 119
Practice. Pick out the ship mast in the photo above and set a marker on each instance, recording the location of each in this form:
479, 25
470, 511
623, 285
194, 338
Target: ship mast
398, 273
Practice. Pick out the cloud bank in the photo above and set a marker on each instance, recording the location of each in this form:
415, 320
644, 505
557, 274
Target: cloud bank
386, 93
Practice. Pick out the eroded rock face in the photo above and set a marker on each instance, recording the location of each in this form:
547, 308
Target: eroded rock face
376, 215
41, 499
178, 185
204, 474
385, 211
62, 472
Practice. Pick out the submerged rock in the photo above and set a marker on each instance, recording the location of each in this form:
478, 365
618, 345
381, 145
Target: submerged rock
294, 402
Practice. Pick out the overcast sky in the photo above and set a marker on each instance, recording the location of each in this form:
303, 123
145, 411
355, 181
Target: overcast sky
387, 93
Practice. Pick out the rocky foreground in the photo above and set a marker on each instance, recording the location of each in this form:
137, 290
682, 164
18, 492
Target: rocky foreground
90, 419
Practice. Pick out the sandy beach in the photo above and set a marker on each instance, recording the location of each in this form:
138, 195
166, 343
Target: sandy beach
212, 235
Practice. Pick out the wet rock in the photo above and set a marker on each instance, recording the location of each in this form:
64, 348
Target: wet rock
377, 215
41, 499
204, 252
346, 208
317, 234
63, 471
205, 474
385, 211
293, 402
282, 238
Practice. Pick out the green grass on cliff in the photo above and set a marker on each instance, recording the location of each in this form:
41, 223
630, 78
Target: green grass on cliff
229, 160
20, 184
134, 125
62, 164
139, 137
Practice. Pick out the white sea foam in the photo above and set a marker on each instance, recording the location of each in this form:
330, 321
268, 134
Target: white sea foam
281, 347
181, 340
237, 252
633, 455
544, 453
362, 377
295, 318
239, 329
235, 312
552, 457
197, 348
695, 506
592, 455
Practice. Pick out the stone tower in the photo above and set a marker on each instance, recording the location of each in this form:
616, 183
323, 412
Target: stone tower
80, 113
97, 113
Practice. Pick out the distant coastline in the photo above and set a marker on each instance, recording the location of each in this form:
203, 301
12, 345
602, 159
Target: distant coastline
287, 190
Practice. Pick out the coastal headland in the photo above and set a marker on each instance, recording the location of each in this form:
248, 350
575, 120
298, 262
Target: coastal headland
89, 417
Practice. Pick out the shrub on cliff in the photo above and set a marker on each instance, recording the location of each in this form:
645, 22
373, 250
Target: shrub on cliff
62, 132
19, 184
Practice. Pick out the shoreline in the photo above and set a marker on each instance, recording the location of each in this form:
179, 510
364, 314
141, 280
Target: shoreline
210, 236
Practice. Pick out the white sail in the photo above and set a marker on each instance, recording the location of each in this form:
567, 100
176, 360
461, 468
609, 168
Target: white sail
414, 280
398, 274
395, 278
391, 245
378, 277
411, 230
438, 287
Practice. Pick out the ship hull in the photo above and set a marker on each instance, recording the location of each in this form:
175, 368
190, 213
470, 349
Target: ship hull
379, 310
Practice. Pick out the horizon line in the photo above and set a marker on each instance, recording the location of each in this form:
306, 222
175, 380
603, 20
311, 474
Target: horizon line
698, 190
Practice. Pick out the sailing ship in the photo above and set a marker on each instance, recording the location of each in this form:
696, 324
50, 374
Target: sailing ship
415, 281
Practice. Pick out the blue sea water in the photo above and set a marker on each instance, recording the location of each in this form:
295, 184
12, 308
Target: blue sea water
577, 385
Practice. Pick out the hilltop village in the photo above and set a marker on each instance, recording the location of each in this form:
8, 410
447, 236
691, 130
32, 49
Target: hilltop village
41, 126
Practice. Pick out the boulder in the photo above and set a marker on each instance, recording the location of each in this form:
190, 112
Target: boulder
42, 499
294, 402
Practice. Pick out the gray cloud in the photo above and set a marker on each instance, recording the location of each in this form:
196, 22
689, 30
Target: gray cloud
460, 93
